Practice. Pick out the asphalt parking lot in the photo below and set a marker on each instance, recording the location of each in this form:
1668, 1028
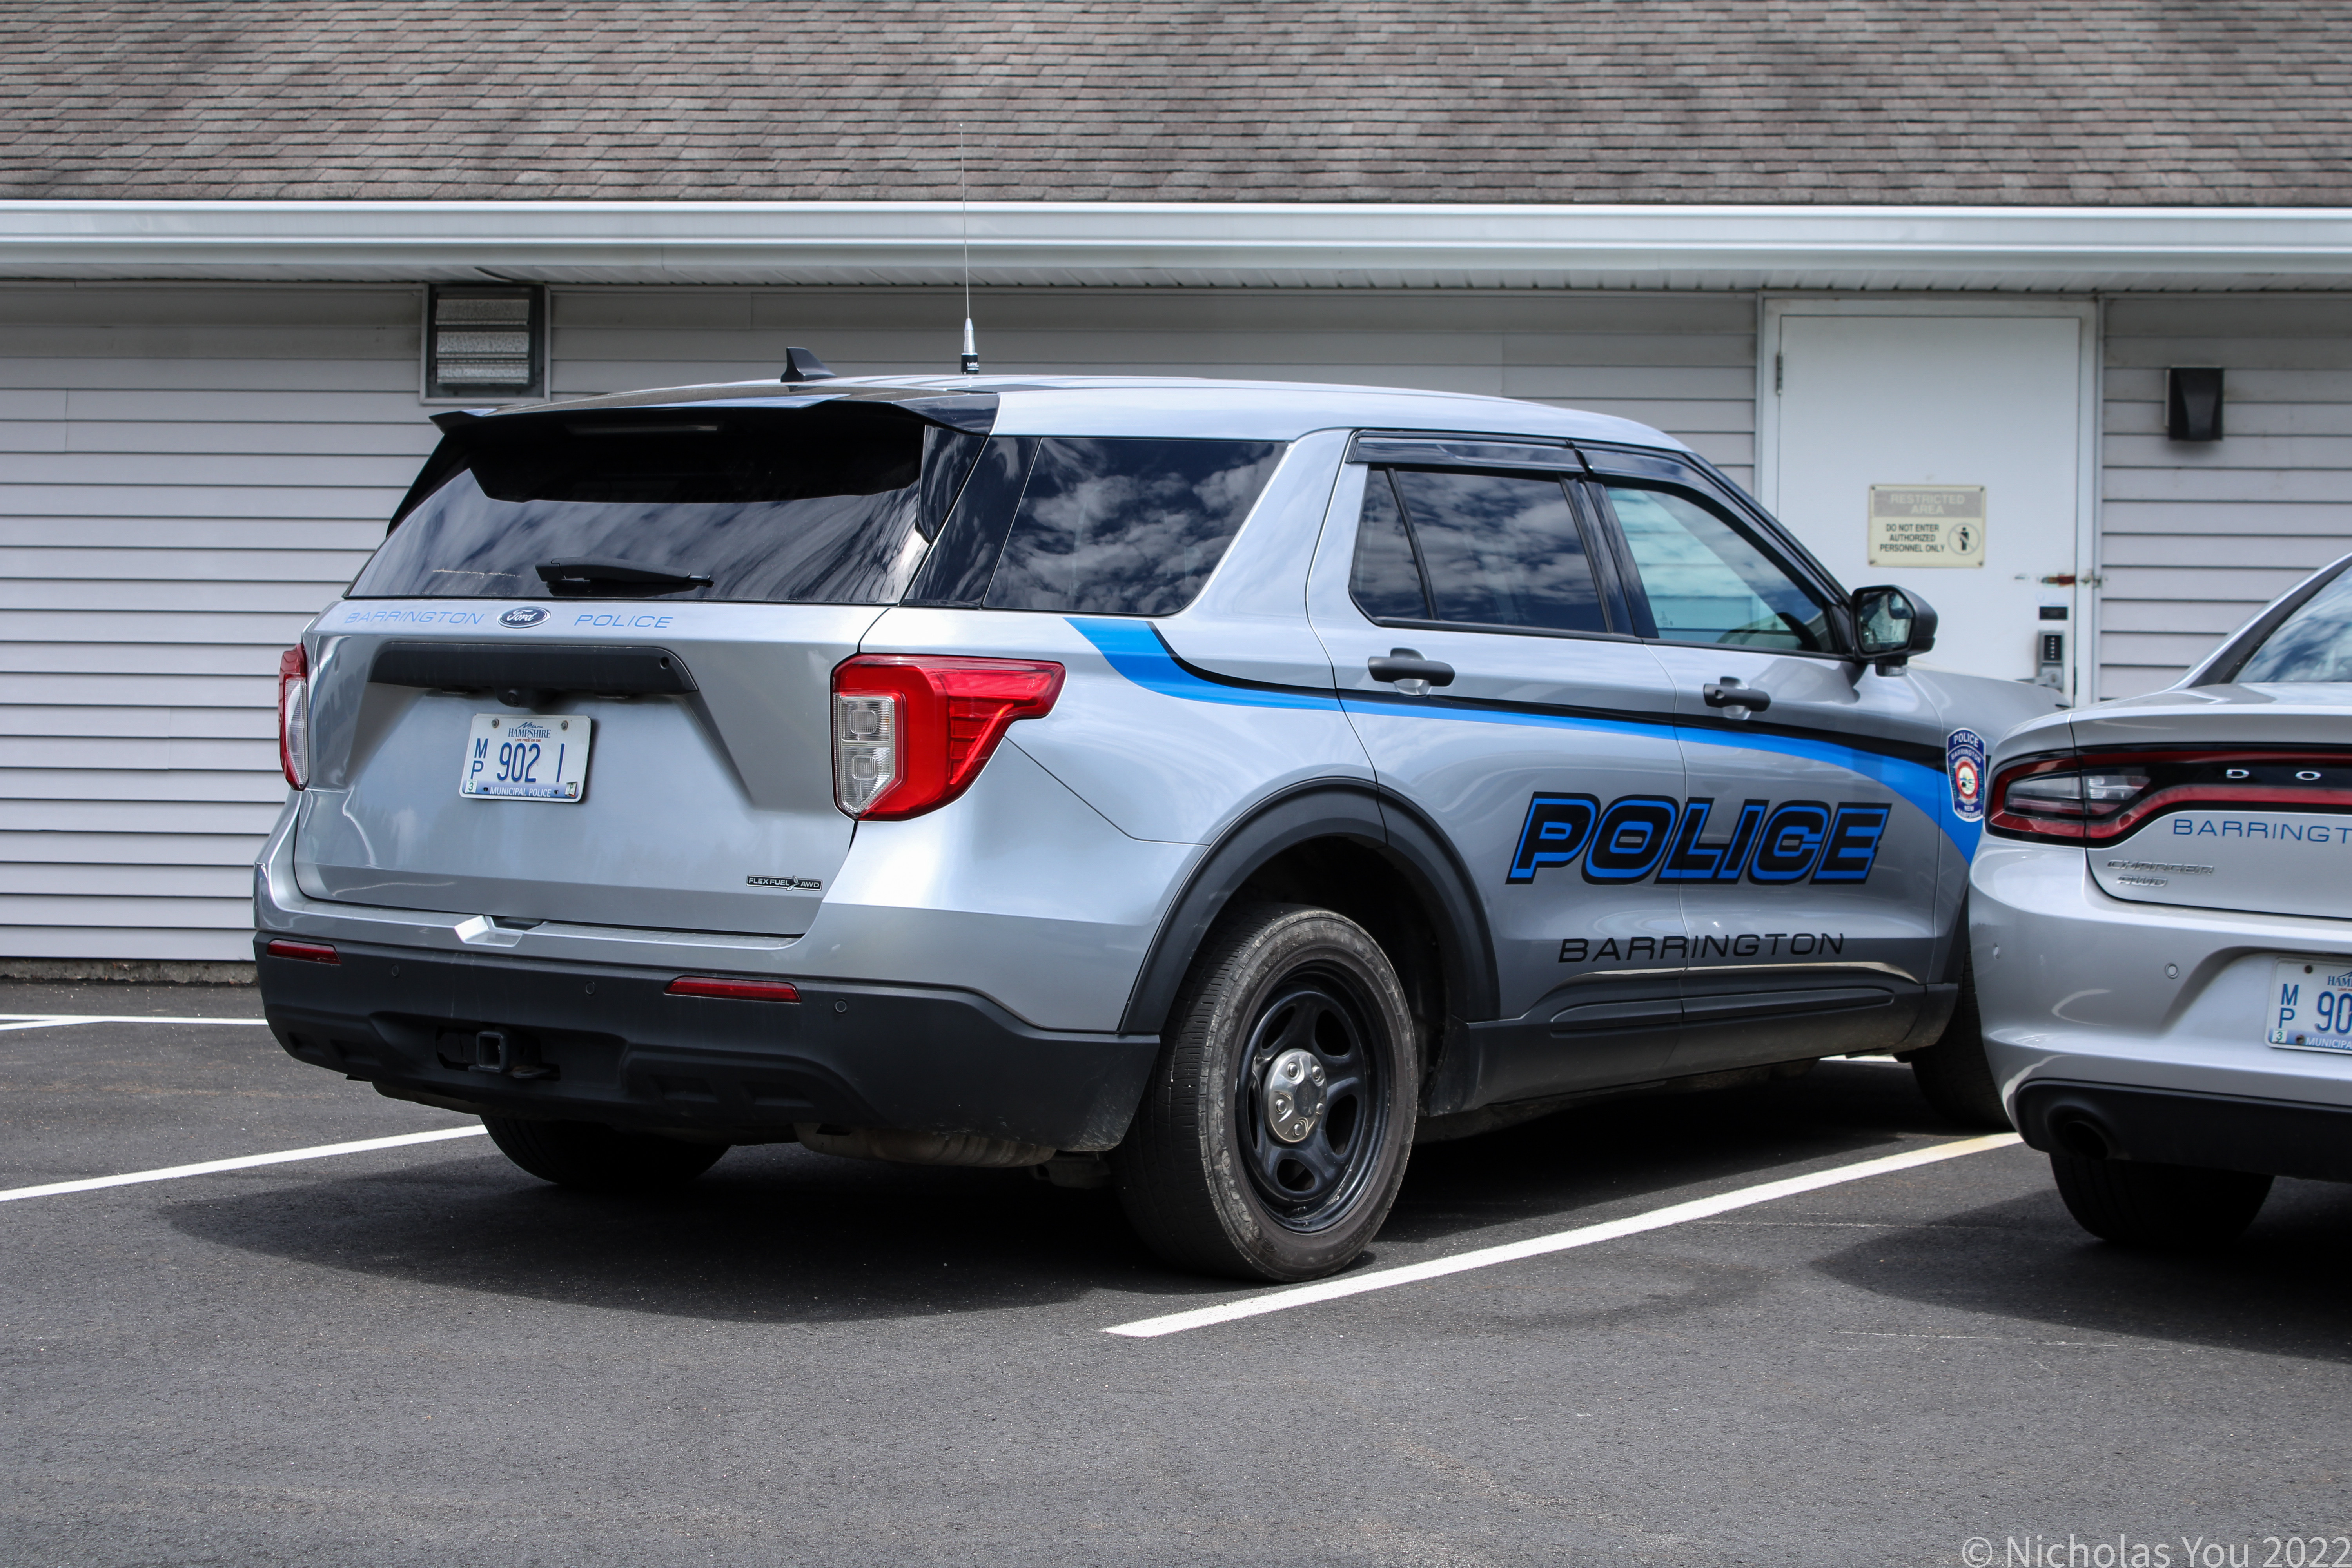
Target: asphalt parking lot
420, 1355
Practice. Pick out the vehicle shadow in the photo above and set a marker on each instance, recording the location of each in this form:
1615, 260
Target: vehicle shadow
778, 1234
1608, 1152
771, 1235
2279, 1291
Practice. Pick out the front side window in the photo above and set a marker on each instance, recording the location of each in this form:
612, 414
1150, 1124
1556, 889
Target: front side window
2314, 644
1708, 583
1474, 549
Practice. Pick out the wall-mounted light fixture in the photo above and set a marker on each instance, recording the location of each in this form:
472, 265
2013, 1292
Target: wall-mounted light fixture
2192, 404
485, 343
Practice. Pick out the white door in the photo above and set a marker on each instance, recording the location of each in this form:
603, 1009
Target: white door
1944, 452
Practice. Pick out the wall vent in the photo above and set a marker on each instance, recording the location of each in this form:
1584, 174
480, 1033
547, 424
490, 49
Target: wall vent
485, 343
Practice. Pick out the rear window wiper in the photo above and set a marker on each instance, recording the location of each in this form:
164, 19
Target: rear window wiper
612, 579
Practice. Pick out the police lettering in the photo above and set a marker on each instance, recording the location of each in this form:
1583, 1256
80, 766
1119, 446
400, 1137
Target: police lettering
1647, 837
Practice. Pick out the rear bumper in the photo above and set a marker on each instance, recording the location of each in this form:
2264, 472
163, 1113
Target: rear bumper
2082, 988
624, 1052
2278, 1138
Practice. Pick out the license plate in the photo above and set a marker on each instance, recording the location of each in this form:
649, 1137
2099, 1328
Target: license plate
2311, 1005
527, 756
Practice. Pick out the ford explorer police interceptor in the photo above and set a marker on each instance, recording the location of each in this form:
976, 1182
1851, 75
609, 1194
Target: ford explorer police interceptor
1206, 787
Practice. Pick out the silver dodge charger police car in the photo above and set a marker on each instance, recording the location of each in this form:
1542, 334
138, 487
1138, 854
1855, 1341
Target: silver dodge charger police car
2164, 931
1205, 788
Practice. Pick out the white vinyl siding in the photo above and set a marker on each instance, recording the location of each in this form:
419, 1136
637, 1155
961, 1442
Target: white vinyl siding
2196, 537
1683, 362
187, 474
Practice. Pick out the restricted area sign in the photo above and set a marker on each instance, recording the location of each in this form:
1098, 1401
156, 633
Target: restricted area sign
1926, 525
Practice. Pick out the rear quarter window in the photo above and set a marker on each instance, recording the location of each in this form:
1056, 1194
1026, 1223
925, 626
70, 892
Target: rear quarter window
1124, 526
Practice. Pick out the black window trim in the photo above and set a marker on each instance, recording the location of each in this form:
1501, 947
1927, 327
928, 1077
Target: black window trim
1597, 537
1756, 528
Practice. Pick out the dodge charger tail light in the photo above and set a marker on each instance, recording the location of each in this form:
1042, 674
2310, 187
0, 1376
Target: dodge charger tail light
910, 732
2097, 797
294, 715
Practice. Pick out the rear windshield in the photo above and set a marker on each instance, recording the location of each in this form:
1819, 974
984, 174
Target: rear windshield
835, 504
2313, 644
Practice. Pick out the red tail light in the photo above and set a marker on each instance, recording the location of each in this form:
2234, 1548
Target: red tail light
308, 952
734, 990
294, 715
2097, 797
910, 732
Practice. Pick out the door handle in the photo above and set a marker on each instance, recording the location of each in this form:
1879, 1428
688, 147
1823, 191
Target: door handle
1406, 664
1731, 694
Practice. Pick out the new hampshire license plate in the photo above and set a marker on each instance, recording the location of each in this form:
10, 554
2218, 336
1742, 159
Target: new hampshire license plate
527, 756
2311, 1005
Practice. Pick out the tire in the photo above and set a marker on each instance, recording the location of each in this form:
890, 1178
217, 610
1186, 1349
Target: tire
1215, 1174
1953, 1073
2177, 1208
590, 1157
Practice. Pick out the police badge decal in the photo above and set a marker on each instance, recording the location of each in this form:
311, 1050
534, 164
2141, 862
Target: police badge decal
1964, 760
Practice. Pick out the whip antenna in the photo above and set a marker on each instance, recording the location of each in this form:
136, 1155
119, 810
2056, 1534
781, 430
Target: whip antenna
964, 198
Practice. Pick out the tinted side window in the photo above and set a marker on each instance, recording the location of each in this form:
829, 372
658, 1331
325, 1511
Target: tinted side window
1125, 527
1501, 551
1385, 581
1708, 583
964, 557
2315, 643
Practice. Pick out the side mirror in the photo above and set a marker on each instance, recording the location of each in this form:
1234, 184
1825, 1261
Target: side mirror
1890, 625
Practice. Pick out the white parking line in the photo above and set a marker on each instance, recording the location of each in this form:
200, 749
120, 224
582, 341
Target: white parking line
1559, 1241
242, 1162
50, 1020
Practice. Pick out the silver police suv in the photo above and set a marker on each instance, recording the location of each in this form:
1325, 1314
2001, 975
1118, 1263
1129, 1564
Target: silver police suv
2163, 927
1200, 787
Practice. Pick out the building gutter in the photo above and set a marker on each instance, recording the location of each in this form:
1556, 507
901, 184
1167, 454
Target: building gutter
1207, 244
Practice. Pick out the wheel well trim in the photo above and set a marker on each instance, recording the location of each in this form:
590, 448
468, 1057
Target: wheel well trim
1302, 814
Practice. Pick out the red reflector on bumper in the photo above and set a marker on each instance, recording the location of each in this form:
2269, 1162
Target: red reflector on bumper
308, 952
734, 990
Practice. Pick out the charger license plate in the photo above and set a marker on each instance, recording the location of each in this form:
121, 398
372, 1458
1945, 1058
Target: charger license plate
527, 756
2311, 1005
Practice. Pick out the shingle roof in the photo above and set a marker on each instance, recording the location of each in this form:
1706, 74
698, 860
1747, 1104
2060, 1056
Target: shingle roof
2005, 101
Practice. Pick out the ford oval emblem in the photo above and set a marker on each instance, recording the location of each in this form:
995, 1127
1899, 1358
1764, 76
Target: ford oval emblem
528, 616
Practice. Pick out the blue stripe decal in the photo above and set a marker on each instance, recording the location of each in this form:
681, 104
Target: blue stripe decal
1923, 786
1136, 650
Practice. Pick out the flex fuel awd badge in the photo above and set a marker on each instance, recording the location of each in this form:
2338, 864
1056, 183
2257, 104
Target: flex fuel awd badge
1964, 760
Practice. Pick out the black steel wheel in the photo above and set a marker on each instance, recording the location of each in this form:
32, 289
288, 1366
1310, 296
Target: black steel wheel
1310, 1097
1274, 1136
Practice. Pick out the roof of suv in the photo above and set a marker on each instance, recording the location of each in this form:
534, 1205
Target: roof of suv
1167, 406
